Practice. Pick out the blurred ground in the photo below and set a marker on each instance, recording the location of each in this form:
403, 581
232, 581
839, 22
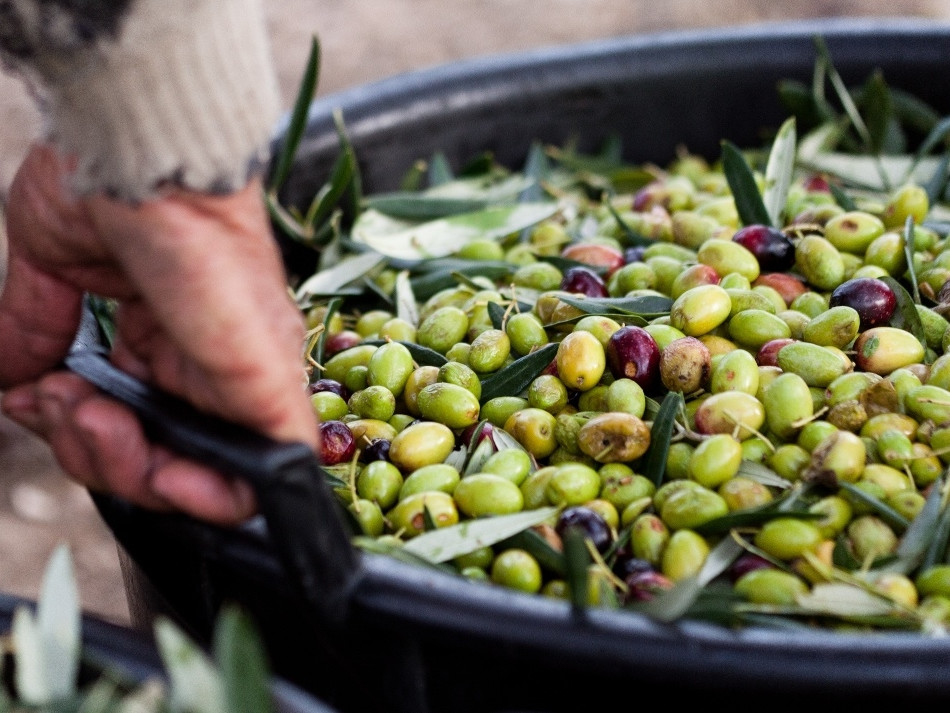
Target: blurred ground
361, 40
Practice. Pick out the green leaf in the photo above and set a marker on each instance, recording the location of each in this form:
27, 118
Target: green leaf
577, 561
333, 306
646, 306
909, 250
407, 308
515, 377
937, 547
886, 512
536, 169
936, 186
878, 109
298, 119
917, 538
438, 238
905, 314
345, 272
430, 282
195, 683
778, 172
446, 543
423, 356
240, 653
466, 195
742, 183
842, 198
550, 559
440, 172
762, 474
497, 314
845, 600
47, 643
661, 433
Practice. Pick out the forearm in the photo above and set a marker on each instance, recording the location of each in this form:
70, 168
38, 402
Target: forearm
149, 92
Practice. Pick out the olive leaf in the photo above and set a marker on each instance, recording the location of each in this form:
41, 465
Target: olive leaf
841, 198
742, 183
446, 543
778, 172
459, 196
435, 279
550, 559
645, 306
195, 684
577, 562
536, 169
423, 356
241, 657
661, 433
905, 315
840, 599
885, 511
936, 186
345, 272
440, 172
762, 474
909, 256
319, 351
936, 551
515, 377
298, 118
496, 313
48, 640
878, 109
917, 538
444, 236
407, 309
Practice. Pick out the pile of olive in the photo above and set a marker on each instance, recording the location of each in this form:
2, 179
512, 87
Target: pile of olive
803, 377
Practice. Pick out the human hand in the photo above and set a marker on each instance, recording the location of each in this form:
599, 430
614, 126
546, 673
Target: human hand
204, 313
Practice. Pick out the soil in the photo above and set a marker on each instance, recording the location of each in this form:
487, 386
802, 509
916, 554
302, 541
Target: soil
361, 41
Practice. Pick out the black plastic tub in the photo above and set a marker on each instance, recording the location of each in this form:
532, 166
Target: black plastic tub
422, 641
131, 656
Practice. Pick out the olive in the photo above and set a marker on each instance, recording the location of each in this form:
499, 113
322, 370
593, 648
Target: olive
337, 443
771, 247
583, 280
589, 522
632, 353
873, 300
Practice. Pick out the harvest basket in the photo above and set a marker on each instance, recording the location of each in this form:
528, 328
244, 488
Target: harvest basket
417, 640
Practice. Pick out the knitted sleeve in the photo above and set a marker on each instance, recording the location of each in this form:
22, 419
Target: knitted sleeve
146, 93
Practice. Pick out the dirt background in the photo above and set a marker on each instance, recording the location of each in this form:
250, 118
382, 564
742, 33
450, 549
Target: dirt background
362, 41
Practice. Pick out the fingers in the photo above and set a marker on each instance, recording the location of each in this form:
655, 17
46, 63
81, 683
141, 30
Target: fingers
101, 445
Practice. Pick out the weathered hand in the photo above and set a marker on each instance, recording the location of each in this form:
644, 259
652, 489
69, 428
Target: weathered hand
204, 312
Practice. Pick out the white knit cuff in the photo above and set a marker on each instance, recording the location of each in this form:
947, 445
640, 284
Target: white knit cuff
186, 94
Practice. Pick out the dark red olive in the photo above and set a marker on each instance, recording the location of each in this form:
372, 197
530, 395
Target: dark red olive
329, 385
632, 353
589, 521
746, 563
872, 298
583, 280
644, 586
337, 443
338, 341
768, 352
771, 247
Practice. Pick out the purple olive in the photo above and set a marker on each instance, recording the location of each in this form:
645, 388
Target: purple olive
589, 521
337, 443
746, 563
377, 449
329, 385
583, 280
644, 586
633, 353
871, 298
771, 247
